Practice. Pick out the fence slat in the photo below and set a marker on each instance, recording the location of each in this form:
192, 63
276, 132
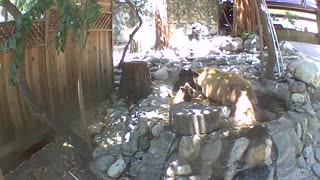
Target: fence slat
12, 95
52, 77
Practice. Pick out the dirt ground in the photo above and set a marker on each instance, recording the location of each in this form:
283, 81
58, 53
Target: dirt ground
56, 161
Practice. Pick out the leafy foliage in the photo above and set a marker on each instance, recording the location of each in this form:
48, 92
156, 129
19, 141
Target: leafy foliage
292, 17
75, 18
127, 12
23, 26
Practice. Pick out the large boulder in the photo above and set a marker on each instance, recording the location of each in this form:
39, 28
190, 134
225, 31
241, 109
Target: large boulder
235, 45
306, 71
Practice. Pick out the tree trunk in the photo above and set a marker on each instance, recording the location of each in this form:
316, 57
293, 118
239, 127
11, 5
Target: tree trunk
271, 47
132, 34
244, 18
82, 109
11, 8
85, 131
162, 36
191, 118
260, 30
135, 81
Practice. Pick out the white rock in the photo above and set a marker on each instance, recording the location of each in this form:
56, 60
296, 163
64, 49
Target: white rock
299, 130
306, 71
117, 168
297, 98
183, 170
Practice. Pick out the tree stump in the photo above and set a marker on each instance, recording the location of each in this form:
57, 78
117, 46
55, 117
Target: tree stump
135, 81
188, 118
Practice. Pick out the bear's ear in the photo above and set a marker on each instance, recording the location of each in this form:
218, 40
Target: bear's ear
187, 85
183, 89
197, 72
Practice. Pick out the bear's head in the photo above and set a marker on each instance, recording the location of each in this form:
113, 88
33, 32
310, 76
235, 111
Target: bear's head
185, 94
185, 76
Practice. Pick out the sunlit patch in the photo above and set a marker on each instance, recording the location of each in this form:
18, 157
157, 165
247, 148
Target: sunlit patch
164, 91
68, 145
244, 113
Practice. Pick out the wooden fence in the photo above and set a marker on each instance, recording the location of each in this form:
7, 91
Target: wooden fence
52, 77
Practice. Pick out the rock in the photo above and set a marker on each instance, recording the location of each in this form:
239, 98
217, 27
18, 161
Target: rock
150, 171
299, 130
95, 128
99, 151
252, 43
316, 169
306, 71
105, 176
317, 154
195, 177
289, 48
308, 108
189, 147
129, 148
143, 127
236, 44
211, 151
238, 148
206, 170
301, 162
157, 129
143, 143
297, 98
309, 155
103, 163
160, 146
161, 74
287, 145
261, 171
297, 87
237, 151
134, 167
280, 90
260, 153
183, 170
117, 168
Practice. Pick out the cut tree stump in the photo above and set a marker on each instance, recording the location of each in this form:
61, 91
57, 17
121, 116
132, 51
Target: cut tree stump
135, 81
188, 118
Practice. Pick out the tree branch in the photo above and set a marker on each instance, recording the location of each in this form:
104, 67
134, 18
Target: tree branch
12, 9
136, 10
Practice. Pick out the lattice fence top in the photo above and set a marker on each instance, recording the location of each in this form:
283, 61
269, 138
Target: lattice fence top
36, 36
103, 21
